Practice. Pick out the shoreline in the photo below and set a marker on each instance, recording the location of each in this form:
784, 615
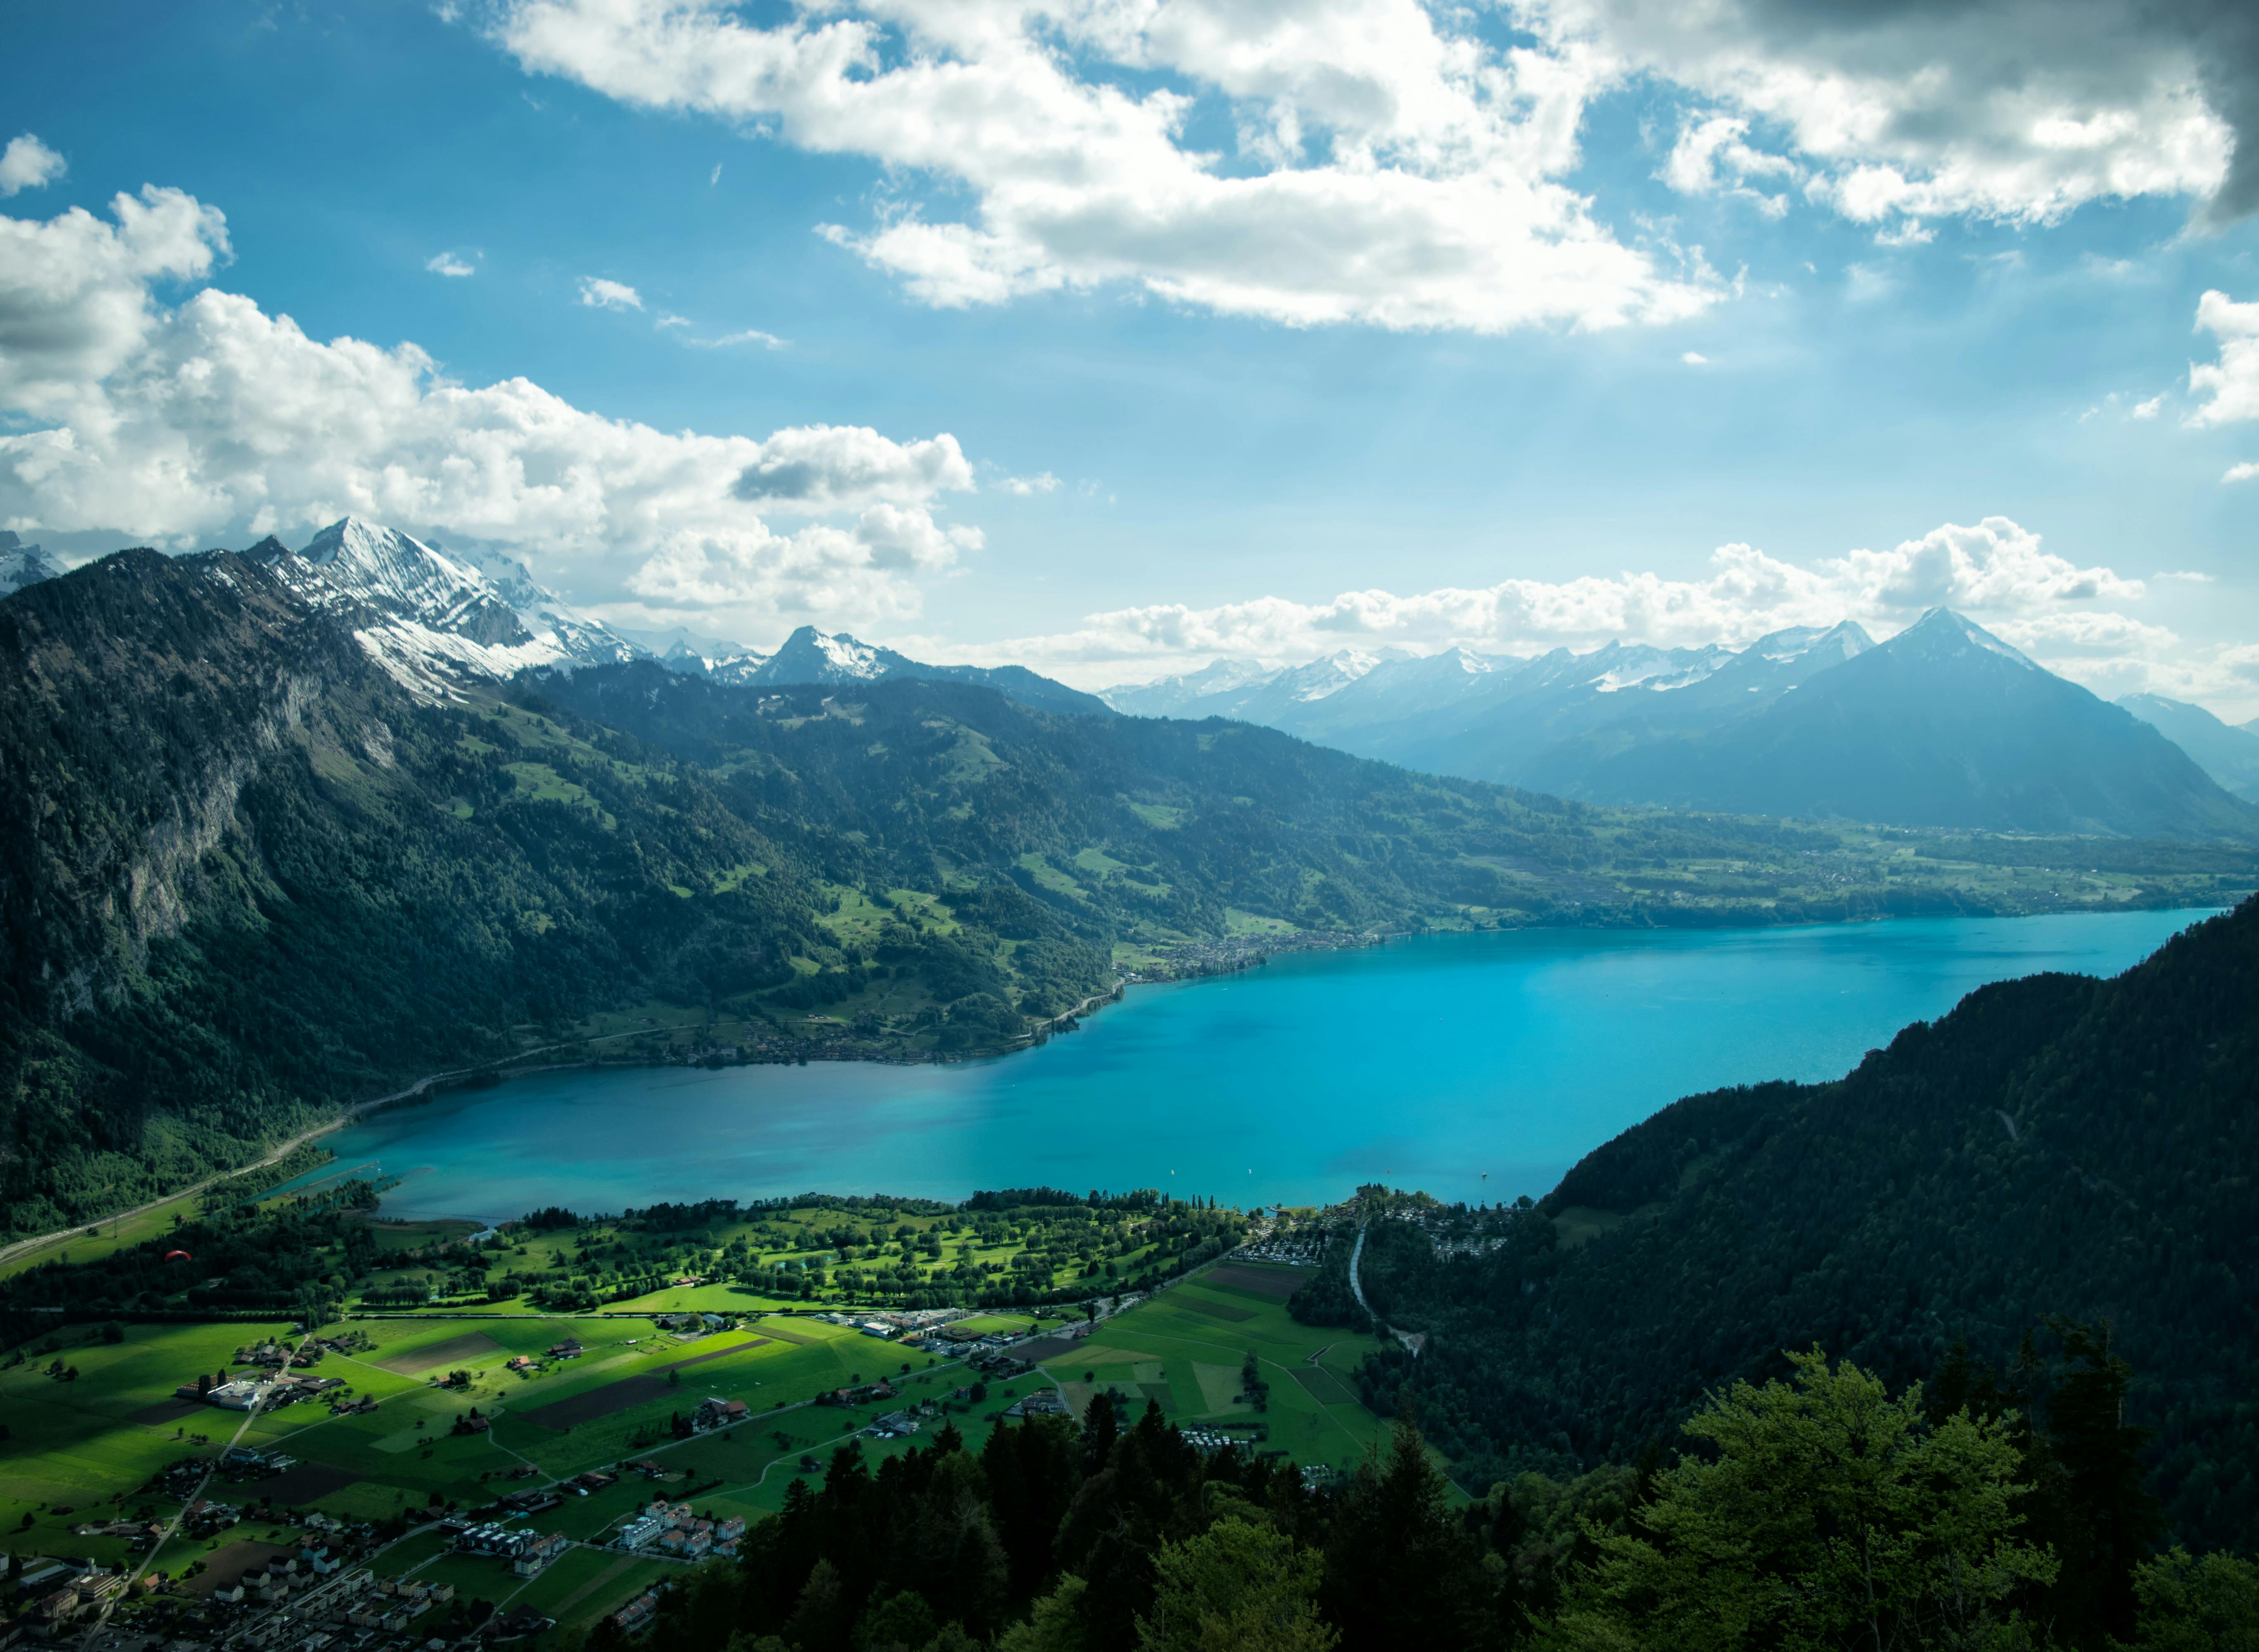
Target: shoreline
1242, 954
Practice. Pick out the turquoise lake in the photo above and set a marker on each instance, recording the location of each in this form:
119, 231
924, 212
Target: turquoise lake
1477, 1067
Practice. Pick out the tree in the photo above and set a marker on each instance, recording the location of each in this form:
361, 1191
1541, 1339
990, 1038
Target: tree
1237, 1587
1055, 1624
1832, 1516
1400, 1571
2209, 1605
2112, 1520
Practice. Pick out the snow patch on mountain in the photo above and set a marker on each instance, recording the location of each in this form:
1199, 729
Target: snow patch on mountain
433, 620
1660, 670
22, 565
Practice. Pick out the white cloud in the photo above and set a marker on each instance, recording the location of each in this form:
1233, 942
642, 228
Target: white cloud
1994, 569
453, 264
175, 423
2014, 110
28, 164
1713, 154
2230, 386
2247, 471
600, 294
2148, 409
1905, 232
1695, 358
76, 303
2189, 575
1392, 169
1024, 486
732, 340
1407, 166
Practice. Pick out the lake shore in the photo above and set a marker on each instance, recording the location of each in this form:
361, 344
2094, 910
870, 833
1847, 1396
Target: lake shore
1478, 1066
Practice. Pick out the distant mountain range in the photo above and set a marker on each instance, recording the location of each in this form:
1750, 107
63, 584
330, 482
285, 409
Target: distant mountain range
1944, 725
432, 617
2227, 753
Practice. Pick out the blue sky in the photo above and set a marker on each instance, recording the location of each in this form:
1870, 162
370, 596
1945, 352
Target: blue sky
1165, 447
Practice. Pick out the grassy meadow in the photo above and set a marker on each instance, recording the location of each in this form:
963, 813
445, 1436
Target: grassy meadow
89, 1444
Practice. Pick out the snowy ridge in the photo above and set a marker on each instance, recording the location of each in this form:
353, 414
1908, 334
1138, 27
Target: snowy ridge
22, 565
432, 620
683, 650
1661, 671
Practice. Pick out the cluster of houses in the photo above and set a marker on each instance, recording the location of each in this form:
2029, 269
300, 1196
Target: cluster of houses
262, 1391
389, 1605
1301, 1247
672, 1529
637, 1613
529, 1553
79, 1595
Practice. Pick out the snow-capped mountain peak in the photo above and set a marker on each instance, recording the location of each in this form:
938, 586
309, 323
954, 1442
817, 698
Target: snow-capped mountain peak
1328, 676
1942, 631
22, 565
430, 618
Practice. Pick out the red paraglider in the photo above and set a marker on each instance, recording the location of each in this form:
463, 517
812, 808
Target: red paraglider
178, 1256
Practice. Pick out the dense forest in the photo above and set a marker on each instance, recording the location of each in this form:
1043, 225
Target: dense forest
2057, 1146
246, 878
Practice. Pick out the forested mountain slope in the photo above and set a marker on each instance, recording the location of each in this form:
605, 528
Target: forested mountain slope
1137, 825
245, 876
2056, 1145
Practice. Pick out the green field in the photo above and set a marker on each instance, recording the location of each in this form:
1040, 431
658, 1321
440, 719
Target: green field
90, 1444
1186, 1347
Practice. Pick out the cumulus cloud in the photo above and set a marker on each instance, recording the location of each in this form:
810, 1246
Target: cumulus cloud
453, 264
733, 340
1391, 167
1407, 166
28, 164
600, 294
2229, 387
1995, 569
1025, 486
1902, 110
177, 423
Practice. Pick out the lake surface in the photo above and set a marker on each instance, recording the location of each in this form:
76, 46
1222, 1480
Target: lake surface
1477, 1067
